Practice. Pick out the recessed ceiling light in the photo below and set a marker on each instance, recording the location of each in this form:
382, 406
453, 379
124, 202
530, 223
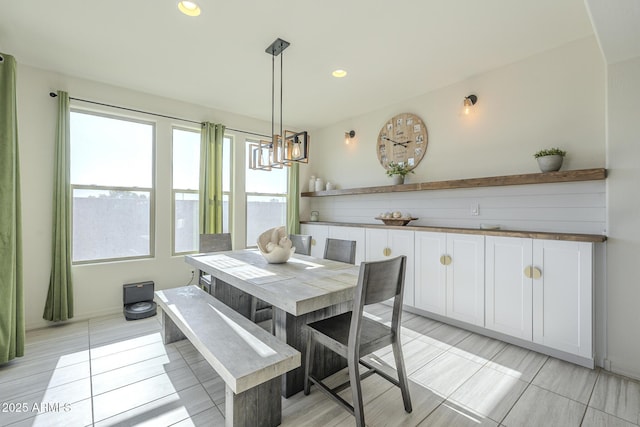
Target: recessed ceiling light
339, 73
189, 8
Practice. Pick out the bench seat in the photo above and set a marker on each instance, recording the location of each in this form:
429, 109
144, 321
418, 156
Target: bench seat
248, 359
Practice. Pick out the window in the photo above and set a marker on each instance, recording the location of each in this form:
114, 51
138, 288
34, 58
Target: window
266, 194
112, 184
186, 183
186, 177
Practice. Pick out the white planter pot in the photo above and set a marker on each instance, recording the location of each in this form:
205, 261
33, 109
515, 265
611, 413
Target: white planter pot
550, 163
397, 179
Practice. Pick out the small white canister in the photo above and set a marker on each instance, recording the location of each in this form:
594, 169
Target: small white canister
319, 184
312, 184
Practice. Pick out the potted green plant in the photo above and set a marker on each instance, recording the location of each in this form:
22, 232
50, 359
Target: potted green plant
397, 171
550, 159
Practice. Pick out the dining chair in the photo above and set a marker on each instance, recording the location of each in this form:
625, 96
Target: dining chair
340, 250
212, 243
302, 243
353, 336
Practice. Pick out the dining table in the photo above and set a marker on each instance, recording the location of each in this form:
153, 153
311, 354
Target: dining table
302, 290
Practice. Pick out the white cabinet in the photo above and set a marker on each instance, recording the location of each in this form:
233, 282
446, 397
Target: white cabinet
508, 292
384, 244
450, 275
541, 291
465, 277
431, 274
351, 233
562, 296
319, 234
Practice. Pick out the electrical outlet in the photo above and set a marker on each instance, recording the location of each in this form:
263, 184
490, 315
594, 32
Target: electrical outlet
475, 209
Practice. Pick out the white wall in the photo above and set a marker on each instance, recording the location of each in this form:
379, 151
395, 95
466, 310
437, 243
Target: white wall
623, 157
555, 98
97, 287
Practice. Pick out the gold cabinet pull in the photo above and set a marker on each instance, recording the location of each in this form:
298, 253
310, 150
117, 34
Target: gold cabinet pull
536, 273
532, 272
445, 260
313, 242
386, 251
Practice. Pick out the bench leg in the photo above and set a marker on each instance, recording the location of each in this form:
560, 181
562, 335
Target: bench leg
170, 332
260, 406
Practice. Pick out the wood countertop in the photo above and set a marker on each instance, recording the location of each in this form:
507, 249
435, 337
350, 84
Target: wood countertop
593, 238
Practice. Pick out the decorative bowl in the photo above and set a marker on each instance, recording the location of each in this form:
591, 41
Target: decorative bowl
396, 221
275, 246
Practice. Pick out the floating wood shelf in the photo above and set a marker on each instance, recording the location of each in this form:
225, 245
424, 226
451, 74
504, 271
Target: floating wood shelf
493, 181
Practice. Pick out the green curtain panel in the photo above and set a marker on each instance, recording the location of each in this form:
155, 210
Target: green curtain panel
210, 198
293, 200
11, 302
59, 304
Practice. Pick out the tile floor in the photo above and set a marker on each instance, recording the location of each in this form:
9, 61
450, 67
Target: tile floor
107, 371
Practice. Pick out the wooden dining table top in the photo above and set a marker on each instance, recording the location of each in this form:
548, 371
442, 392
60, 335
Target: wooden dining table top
301, 285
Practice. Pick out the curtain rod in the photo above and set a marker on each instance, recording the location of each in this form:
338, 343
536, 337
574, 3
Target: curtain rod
53, 95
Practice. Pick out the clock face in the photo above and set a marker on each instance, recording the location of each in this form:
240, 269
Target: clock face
402, 140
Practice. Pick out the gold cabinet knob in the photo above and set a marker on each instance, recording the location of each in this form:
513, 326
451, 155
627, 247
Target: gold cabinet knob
445, 260
532, 272
536, 273
386, 251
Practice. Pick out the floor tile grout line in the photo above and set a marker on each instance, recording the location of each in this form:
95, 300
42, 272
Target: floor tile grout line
590, 397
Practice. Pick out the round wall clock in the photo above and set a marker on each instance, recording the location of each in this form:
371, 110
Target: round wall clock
402, 139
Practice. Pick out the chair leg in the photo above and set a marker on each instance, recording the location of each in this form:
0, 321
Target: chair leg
356, 389
308, 362
402, 375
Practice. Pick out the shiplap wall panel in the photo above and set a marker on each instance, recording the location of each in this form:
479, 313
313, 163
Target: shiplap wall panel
573, 207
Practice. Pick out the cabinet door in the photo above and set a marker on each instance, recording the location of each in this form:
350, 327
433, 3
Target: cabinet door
465, 278
508, 294
351, 233
401, 243
319, 234
430, 274
375, 243
562, 296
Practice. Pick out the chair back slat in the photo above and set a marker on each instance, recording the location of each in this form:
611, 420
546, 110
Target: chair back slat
340, 250
302, 243
215, 242
385, 280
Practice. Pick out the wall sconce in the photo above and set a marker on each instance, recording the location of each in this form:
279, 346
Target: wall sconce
469, 102
348, 136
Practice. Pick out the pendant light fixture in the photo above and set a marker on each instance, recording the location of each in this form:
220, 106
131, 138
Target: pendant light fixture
285, 147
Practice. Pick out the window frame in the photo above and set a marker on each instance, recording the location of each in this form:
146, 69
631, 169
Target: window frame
151, 190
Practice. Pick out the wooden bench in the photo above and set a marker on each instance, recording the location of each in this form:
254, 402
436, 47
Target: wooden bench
248, 358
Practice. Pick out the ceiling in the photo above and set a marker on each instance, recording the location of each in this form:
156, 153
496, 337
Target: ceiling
392, 50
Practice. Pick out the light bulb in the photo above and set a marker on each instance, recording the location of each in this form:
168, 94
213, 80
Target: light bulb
295, 151
467, 106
